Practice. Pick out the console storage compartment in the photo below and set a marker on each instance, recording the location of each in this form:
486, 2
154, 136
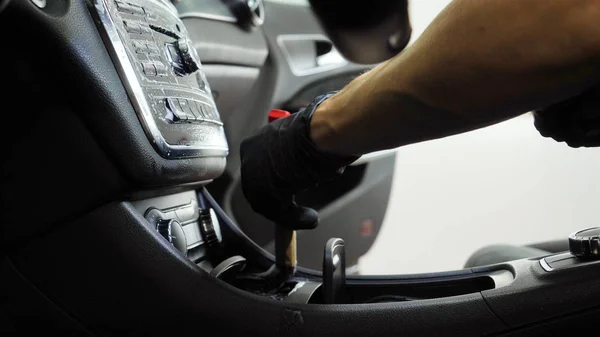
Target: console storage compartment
399, 290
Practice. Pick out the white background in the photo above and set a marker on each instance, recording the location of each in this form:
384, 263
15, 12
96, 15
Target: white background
502, 184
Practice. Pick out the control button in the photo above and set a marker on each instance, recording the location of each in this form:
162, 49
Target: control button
136, 28
149, 69
176, 60
201, 110
208, 112
129, 8
585, 243
172, 231
558, 257
132, 27
573, 261
138, 10
207, 229
140, 47
152, 49
124, 7
165, 228
195, 110
189, 55
161, 69
145, 30
185, 107
178, 115
560, 261
186, 213
169, 228
151, 16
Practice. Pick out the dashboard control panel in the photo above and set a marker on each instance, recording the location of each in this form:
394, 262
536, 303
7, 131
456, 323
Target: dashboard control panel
163, 74
181, 222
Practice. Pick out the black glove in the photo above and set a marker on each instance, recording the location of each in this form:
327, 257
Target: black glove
280, 160
575, 121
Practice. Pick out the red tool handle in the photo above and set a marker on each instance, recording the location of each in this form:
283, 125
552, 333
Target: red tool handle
276, 114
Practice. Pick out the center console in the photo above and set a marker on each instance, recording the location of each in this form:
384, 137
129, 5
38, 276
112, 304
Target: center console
119, 235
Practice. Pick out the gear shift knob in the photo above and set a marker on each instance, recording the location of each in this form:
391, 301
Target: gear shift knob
334, 271
585, 243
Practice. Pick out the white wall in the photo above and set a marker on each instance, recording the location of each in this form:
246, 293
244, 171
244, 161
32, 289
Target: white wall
501, 184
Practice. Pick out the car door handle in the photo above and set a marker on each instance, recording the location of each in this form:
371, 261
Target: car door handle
309, 54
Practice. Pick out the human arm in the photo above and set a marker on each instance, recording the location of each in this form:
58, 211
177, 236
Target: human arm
478, 63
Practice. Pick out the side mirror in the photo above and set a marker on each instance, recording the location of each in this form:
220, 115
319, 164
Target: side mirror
365, 31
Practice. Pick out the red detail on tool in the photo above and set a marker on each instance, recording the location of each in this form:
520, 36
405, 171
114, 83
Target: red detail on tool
276, 114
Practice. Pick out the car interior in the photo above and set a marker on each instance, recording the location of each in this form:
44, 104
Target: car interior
126, 163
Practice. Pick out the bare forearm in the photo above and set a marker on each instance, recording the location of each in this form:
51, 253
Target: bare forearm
480, 62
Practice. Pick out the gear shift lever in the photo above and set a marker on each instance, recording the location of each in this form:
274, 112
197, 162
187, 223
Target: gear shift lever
334, 271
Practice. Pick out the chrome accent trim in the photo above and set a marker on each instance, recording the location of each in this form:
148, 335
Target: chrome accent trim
138, 99
545, 265
208, 16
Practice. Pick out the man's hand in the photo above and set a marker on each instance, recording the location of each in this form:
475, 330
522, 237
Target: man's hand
575, 121
281, 160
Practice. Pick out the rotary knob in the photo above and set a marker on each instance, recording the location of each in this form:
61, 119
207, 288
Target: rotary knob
171, 230
207, 228
585, 243
188, 53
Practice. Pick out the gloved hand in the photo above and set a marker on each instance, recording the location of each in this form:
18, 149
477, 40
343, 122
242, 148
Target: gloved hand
279, 161
575, 121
